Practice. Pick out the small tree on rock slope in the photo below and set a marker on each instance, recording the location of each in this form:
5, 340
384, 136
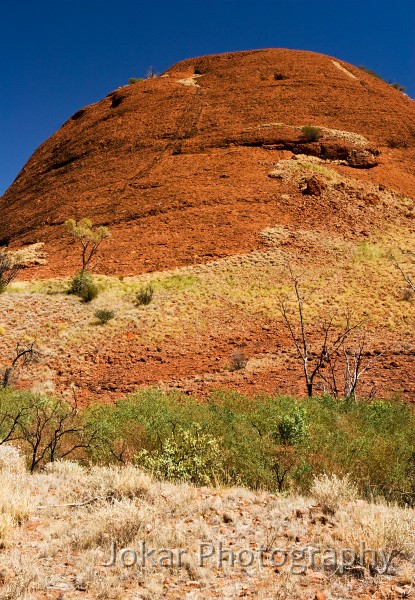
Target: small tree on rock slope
89, 237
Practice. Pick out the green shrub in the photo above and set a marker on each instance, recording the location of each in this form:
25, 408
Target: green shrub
311, 134
144, 295
292, 428
83, 285
370, 72
394, 84
104, 315
275, 443
398, 86
133, 80
187, 455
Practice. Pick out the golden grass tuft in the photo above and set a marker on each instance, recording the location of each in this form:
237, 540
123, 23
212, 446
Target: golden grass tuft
331, 491
380, 525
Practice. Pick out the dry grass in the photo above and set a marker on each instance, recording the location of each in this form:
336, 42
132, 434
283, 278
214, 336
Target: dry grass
381, 526
202, 299
122, 520
11, 460
61, 547
331, 492
16, 504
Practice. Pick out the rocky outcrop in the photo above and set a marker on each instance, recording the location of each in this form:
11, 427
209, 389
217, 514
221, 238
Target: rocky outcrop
163, 160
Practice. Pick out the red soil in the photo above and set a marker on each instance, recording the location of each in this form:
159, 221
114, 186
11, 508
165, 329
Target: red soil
180, 174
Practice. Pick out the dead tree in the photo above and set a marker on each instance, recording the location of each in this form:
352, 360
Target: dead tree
24, 355
405, 276
313, 362
342, 379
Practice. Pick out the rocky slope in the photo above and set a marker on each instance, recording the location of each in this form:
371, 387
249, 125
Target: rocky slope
58, 533
208, 187
179, 164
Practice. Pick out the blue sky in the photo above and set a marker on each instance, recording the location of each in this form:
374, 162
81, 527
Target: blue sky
57, 56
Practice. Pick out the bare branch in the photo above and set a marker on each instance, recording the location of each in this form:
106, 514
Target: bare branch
330, 348
406, 277
74, 504
24, 354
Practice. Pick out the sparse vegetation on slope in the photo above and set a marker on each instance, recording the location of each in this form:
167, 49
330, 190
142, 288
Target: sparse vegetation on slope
228, 305
65, 531
394, 84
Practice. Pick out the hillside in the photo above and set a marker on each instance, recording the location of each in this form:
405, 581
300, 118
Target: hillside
182, 422
209, 188
179, 164
57, 540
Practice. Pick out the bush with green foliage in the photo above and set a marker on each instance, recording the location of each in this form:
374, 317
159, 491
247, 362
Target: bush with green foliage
133, 80
276, 443
311, 134
394, 84
268, 442
292, 428
370, 72
188, 454
144, 295
83, 285
104, 315
398, 86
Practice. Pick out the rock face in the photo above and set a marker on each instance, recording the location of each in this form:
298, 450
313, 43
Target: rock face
177, 165
314, 186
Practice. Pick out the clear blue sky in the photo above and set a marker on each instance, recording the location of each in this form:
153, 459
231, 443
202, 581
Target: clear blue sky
57, 56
